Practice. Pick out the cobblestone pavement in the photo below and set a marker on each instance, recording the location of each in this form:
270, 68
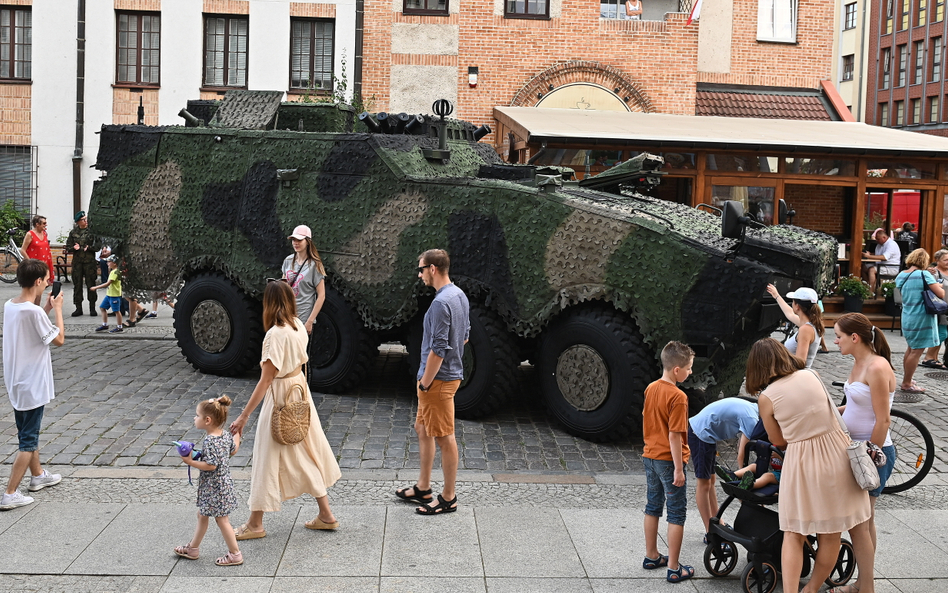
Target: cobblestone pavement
122, 403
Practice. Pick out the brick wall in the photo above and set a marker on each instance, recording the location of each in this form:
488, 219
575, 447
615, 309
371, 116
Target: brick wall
142, 5
15, 114
819, 207
801, 65
313, 11
125, 105
226, 7
657, 58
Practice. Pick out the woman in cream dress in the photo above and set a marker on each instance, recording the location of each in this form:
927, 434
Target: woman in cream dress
281, 472
818, 493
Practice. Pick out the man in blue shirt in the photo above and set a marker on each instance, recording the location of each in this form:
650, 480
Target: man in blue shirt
446, 330
721, 420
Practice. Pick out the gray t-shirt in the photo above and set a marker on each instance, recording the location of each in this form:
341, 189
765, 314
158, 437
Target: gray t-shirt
303, 280
447, 327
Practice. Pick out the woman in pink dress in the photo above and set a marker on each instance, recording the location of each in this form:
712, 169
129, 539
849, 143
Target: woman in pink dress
36, 244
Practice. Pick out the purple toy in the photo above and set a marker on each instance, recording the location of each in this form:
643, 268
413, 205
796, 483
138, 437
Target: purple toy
186, 448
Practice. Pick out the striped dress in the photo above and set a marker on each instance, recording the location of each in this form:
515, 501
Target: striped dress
919, 326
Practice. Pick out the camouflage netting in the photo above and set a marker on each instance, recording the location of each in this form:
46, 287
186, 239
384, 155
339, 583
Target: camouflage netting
224, 199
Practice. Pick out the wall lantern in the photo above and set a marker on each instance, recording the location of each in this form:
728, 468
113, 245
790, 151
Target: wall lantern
472, 76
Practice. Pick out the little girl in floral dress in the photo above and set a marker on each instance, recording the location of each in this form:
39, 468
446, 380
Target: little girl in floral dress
216, 496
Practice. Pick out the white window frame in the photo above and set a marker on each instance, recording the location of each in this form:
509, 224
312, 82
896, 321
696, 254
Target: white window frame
777, 21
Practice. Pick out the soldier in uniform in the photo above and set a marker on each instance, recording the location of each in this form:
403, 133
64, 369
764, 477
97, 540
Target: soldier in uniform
82, 244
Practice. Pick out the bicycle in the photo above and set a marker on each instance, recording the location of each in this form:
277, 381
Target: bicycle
10, 258
914, 449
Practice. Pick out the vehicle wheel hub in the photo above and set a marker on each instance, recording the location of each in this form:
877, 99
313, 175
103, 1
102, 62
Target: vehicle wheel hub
583, 377
211, 326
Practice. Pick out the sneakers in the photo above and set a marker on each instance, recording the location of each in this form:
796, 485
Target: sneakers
12, 501
747, 481
151, 315
102, 327
44, 480
725, 474
115, 330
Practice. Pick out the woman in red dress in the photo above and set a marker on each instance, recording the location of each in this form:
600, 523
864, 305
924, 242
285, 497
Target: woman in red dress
36, 244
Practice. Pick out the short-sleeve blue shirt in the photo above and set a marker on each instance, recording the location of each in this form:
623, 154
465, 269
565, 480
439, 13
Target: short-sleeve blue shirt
724, 419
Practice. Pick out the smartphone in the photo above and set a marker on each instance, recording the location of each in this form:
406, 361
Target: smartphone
57, 286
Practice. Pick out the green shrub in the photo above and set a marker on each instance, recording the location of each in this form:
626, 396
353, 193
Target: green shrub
853, 286
11, 218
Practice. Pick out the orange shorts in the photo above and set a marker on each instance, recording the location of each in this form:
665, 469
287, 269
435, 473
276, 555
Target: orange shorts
436, 408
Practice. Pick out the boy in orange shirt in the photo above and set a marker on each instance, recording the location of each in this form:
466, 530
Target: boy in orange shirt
665, 431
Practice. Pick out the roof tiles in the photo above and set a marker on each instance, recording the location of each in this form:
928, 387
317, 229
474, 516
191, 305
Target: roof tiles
760, 105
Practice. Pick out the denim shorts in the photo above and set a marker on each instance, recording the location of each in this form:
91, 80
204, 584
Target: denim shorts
114, 303
660, 477
703, 456
28, 428
886, 470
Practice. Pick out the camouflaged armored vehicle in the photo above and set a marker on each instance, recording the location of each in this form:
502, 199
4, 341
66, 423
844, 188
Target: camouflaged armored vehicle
587, 284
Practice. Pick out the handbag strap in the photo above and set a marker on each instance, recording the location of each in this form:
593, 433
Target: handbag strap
839, 417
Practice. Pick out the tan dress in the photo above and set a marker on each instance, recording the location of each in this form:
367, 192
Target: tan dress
281, 472
818, 493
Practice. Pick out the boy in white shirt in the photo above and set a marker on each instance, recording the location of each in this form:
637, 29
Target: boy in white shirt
28, 374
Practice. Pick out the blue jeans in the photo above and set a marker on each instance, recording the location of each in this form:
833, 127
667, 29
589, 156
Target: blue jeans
886, 470
28, 428
660, 477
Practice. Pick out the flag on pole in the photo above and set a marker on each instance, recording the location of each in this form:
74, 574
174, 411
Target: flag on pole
695, 11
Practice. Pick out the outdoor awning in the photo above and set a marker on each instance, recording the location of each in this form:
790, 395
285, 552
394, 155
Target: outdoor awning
583, 128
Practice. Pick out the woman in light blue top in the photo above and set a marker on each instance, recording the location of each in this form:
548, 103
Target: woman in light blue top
918, 325
805, 314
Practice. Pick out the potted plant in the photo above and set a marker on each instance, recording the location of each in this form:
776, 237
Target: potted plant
854, 290
887, 290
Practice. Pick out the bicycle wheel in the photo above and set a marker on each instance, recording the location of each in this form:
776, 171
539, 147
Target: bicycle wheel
914, 452
8, 266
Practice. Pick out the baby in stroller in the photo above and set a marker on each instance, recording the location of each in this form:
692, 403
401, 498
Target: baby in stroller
757, 527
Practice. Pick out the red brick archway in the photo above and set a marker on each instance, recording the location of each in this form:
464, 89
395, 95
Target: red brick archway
582, 71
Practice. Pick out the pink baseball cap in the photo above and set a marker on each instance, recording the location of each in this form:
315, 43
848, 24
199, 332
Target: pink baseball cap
301, 232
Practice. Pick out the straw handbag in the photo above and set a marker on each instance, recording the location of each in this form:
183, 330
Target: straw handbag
290, 423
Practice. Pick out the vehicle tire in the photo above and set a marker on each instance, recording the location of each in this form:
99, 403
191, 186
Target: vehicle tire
8, 266
845, 565
720, 560
914, 452
751, 582
490, 363
342, 347
219, 328
593, 369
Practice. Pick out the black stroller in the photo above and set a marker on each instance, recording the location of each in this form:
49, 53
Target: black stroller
757, 529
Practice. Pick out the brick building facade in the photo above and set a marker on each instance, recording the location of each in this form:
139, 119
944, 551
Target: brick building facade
650, 65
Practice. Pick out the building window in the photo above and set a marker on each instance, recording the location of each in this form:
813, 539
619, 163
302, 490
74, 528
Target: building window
905, 12
425, 7
939, 11
138, 47
777, 20
225, 51
311, 43
16, 43
17, 176
849, 17
884, 115
888, 16
919, 62
933, 110
916, 111
922, 5
886, 67
903, 61
616, 9
936, 59
527, 9
848, 66
900, 113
